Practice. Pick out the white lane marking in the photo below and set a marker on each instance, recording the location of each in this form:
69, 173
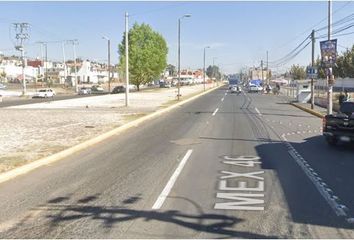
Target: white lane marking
259, 113
225, 93
222, 99
216, 110
326, 193
161, 199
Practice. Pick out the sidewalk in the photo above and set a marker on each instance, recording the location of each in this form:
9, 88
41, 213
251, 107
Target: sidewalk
33, 131
317, 111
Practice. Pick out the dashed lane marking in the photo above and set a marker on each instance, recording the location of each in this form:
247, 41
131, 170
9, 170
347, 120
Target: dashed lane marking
327, 193
216, 110
259, 113
162, 197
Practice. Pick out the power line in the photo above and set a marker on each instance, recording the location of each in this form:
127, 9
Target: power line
290, 54
285, 61
315, 25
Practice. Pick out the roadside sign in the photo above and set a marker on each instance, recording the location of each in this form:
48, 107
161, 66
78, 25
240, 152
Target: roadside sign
328, 52
312, 72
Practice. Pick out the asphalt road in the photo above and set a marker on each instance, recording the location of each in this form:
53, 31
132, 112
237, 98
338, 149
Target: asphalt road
222, 166
15, 102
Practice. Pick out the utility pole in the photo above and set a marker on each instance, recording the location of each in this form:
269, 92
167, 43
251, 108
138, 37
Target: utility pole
74, 43
109, 65
109, 62
262, 68
22, 35
46, 63
267, 77
312, 65
126, 61
204, 67
330, 78
64, 60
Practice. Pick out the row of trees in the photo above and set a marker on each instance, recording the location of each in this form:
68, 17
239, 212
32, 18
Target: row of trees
344, 67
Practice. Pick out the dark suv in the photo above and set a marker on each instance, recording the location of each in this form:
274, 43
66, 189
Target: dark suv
118, 89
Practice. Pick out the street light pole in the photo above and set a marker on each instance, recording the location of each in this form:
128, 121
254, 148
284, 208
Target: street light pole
179, 55
126, 61
204, 66
109, 62
329, 74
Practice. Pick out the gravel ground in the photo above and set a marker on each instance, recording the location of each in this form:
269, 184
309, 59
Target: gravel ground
29, 132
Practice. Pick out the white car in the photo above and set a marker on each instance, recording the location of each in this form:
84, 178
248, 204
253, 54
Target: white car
255, 88
44, 93
84, 91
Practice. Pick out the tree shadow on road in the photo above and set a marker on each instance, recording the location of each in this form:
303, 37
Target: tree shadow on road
58, 212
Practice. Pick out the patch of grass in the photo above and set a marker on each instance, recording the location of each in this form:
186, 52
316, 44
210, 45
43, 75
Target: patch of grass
132, 117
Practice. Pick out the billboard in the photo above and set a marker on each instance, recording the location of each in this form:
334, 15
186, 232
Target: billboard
328, 52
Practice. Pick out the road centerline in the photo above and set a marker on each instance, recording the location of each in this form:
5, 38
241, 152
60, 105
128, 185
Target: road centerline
163, 195
259, 113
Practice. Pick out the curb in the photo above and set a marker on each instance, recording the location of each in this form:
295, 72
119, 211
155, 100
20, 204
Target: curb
313, 112
81, 146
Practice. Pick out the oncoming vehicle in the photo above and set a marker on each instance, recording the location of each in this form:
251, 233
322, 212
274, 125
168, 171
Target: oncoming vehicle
44, 93
236, 89
255, 88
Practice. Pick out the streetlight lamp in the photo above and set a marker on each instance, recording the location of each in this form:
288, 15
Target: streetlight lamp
109, 62
204, 67
179, 53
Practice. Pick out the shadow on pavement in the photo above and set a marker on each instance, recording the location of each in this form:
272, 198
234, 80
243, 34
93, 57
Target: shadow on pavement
60, 211
305, 203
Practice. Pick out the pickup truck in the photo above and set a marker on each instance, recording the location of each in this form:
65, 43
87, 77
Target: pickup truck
340, 126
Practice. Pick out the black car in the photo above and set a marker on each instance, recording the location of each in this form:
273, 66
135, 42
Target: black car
340, 126
118, 89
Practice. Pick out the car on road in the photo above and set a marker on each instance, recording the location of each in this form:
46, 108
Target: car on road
118, 89
44, 93
255, 88
84, 91
97, 89
340, 126
236, 89
2, 86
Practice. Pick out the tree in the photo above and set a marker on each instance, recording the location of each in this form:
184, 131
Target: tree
298, 72
213, 72
171, 70
147, 54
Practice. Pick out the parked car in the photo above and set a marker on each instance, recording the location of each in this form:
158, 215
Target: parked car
340, 126
84, 91
118, 89
2, 86
165, 85
44, 93
97, 89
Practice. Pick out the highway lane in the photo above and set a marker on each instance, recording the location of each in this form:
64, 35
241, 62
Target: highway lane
215, 167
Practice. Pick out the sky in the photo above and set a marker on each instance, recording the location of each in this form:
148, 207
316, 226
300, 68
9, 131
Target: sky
239, 33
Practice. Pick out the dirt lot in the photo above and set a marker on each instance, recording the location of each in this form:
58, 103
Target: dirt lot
29, 132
